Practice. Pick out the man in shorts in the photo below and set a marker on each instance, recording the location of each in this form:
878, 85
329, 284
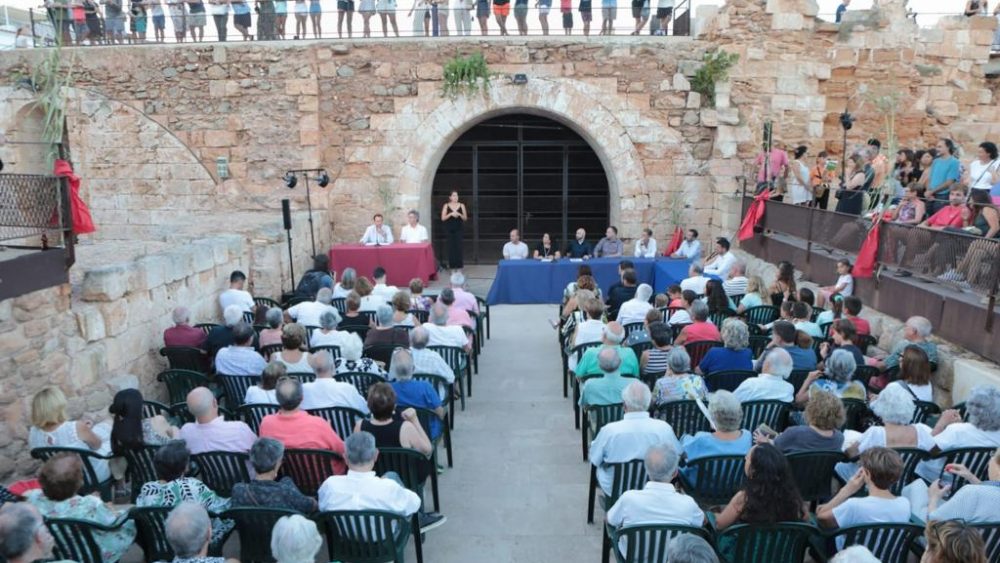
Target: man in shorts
586, 15
609, 11
114, 22
640, 12
566, 7
501, 9
664, 9
345, 10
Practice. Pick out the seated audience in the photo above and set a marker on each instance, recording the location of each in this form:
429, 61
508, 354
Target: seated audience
916, 332
188, 530
236, 295
824, 416
326, 391
377, 234
267, 490
952, 215
317, 277
614, 334
221, 336
350, 360
735, 355
631, 437
771, 384
977, 502
604, 390
293, 338
413, 392
182, 333
275, 319
515, 249
620, 293
716, 298
456, 314
801, 313
769, 494
369, 301
263, 392
658, 502
61, 478
726, 415
700, 328
295, 428
735, 284
895, 409
583, 272
419, 301
981, 431
689, 548
352, 316
722, 261
384, 332
634, 310
678, 383
641, 335
880, 469
345, 286
690, 247
308, 313
130, 430
173, 486
783, 336
835, 378
401, 315
327, 333
696, 279
463, 298
426, 361
842, 334
953, 541
444, 334
24, 538
852, 308
915, 374
295, 538
50, 427
382, 290
210, 432
844, 285
239, 358
654, 360
591, 329
783, 288
683, 317
754, 296
834, 313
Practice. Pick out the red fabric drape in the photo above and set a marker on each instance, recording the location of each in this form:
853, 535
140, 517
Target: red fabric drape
865, 266
83, 223
754, 215
675, 241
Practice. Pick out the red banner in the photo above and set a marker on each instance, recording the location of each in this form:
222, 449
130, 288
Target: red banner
675, 241
82, 221
865, 266
754, 215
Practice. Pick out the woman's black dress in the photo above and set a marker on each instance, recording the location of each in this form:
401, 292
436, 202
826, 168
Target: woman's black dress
453, 228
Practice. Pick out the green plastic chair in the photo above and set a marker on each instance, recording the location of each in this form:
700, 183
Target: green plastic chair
444, 389
185, 357
460, 363
180, 382
772, 413
151, 535
684, 417
234, 388
425, 416
309, 468
698, 350
776, 543
413, 469
761, 315
254, 526
140, 467
813, 473
253, 413
728, 380
991, 537
976, 459
75, 539
625, 476
331, 349
91, 483
360, 380
645, 543
341, 419
594, 418
367, 536
889, 543
221, 470
715, 479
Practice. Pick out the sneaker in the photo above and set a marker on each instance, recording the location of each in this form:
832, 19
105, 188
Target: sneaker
952, 276
430, 520
902, 274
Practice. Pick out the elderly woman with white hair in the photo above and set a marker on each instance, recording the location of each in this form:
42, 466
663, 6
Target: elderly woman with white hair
981, 431
222, 336
678, 383
327, 333
726, 414
835, 378
295, 539
346, 284
350, 360
634, 310
275, 319
771, 384
735, 355
916, 332
895, 408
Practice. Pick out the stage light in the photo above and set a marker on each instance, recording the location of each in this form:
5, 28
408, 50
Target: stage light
323, 179
519, 79
291, 180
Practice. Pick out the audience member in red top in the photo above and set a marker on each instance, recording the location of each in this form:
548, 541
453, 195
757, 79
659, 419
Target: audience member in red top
852, 308
700, 329
182, 333
295, 428
676, 295
952, 215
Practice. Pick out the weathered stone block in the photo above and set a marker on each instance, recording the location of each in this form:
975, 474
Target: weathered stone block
105, 284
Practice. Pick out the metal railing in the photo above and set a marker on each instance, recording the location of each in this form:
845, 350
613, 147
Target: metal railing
269, 20
35, 212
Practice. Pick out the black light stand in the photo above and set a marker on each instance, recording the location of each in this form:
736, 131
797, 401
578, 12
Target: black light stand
286, 217
768, 141
322, 178
846, 122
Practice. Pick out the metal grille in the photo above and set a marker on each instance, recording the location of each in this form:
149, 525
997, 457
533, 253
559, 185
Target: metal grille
966, 261
30, 206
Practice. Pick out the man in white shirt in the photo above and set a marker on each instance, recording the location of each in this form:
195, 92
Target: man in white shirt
736, 283
377, 234
691, 247
645, 247
308, 313
696, 280
236, 295
413, 231
515, 249
440, 333
723, 261
327, 391
463, 299
634, 310
631, 437
382, 290
658, 502
770, 385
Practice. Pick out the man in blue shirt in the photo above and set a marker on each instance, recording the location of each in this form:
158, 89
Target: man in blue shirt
945, 171
841, 9
579, 247
415, 393
783, 336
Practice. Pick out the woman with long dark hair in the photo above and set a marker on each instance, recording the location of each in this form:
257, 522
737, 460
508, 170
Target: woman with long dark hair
783, 287
130, 430
716, 298
769, 494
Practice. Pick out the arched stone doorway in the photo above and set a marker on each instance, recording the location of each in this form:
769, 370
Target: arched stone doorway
520, 171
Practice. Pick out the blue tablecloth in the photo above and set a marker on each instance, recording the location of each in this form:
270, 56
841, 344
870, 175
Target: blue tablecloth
532, 281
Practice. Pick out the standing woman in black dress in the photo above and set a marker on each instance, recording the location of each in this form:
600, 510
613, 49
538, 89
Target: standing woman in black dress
453, 215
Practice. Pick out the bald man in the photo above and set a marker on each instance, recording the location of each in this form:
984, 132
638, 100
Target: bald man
210, 432
23, 536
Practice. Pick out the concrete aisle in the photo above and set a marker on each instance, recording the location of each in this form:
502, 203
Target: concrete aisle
518, 490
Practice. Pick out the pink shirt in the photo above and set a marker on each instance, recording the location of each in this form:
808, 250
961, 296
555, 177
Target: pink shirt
949, 216
779, 159
220, 435
303, 430
465, 300
458, 316
699, 331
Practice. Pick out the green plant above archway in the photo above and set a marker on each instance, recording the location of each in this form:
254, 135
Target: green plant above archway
715, 68
466, 76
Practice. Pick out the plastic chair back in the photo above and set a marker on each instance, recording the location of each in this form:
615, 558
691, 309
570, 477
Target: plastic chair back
360, 380
75, 539
776, 543
813, 472
91, 482
253, 413
341, 419
715, 479
650, 542
684, 417
761, 315
309, 468
889, 543
180, 382
185, 357
976, 459
221, 470
727, 380
697, 350
365, 536
141, 469
151, 532
235, 387
331, 349
772, 413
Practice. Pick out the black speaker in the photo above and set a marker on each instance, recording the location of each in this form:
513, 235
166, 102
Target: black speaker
286, 214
